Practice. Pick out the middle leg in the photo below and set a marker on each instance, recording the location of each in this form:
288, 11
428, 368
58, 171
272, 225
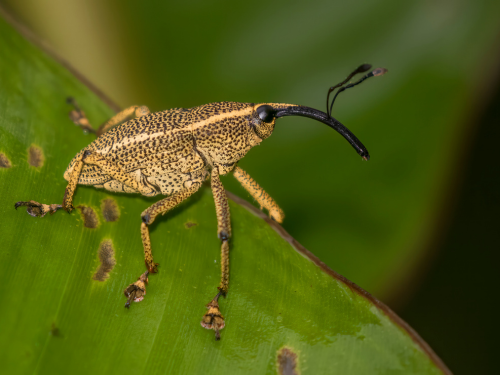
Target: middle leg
213, 318
148, 217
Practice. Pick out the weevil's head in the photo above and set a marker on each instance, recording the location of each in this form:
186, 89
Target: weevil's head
265, 114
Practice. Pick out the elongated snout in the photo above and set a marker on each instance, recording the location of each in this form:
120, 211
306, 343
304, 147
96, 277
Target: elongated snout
325, 119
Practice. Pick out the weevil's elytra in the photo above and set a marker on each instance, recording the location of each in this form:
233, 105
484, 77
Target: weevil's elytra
172, 153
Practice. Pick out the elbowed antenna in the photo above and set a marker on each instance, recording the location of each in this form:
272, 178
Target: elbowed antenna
325, 119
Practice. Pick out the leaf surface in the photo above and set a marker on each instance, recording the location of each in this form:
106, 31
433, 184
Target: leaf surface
57, 319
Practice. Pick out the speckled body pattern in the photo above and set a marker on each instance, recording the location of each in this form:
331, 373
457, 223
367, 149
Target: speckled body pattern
171, 153
165, 152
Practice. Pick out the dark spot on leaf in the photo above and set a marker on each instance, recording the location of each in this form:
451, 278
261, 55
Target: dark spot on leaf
35, 156
110, 209
107, 258
90, 219
287, 362
4, 161
190, 224
54, 331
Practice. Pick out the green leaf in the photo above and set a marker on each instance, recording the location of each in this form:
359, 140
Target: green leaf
375, 222
57, 319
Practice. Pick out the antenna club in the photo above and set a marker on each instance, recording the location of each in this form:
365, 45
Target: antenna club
363, 68
379, 72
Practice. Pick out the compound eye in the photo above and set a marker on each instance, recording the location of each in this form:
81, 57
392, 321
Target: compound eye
266, 113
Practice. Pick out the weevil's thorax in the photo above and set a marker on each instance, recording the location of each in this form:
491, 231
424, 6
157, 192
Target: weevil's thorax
229, 131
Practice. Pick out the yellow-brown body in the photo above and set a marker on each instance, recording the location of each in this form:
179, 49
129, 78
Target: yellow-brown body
166, 152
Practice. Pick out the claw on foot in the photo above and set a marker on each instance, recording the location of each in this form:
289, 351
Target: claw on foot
213, 319
36, 209
277, 214
79, 118
137, 290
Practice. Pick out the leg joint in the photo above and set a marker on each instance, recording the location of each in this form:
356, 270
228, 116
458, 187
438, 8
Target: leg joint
223, 235
146, 218
222, 291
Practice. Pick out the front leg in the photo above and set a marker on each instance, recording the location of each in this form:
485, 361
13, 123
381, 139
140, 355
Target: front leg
259, 194
213, 319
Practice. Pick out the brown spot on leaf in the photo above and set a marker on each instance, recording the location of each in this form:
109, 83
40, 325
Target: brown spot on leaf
110, 209
287, 362
4, 161
90, 219
190, 224
54, 330
35, 156
107, 258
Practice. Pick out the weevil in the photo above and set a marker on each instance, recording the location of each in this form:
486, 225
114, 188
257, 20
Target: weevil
172, 153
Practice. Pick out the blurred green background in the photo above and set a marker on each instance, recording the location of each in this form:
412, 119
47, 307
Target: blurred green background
415, 226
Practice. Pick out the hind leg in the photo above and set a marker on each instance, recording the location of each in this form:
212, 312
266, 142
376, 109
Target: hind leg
80, 119
36, 209
39, 209
92, 158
